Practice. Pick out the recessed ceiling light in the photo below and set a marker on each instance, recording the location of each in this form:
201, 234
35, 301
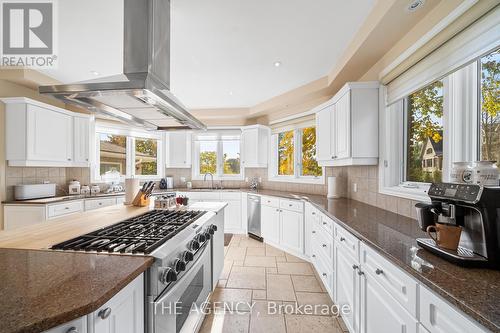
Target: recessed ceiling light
414, 5
277, 63
94, 73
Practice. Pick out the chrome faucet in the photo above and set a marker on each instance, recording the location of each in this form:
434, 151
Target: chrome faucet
212, 179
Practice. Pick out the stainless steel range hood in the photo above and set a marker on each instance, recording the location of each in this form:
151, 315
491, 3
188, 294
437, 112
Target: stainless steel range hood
141, 95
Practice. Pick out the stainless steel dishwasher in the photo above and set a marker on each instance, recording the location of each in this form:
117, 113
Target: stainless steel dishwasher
253, 217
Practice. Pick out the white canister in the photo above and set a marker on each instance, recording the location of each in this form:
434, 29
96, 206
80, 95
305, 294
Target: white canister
457, 172
485, 173
74, 187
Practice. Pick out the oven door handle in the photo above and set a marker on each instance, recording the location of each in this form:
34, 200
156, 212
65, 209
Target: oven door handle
178, 284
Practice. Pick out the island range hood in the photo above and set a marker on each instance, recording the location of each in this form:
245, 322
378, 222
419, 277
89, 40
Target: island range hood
141, 95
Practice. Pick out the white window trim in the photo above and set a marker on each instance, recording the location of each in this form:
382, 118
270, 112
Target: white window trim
460, 128
131, 134
219, 175
273, 160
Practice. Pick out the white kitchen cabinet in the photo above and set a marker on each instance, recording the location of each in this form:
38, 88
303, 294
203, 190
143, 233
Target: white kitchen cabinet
347, 126
311, 217
270, 223
81, 137
232, 217
292, 230
178, 149
346, 286
65, 208
380, 312
17, 216
39, 134
324, 133
437, 316
255, 142
124, 313
91, 204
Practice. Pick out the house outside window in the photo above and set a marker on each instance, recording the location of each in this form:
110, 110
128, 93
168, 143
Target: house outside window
293, 156
122, 152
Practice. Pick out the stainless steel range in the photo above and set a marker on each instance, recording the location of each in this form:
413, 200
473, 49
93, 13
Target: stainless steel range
181, 278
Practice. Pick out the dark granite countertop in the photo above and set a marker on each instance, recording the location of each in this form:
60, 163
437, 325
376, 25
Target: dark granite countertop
474, 291
43, 289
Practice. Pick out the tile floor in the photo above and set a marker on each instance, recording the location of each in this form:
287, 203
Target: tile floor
259, 274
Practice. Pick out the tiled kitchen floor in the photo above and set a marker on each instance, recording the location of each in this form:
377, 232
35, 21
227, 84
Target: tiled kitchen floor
260, 273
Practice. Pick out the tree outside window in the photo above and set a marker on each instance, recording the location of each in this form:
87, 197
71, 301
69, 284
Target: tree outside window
231, 157
310, 165
425, 134
208, 157
285, 153
490, 107
146, 157
112, 154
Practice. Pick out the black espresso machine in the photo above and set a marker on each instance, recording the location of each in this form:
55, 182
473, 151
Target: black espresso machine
473, 207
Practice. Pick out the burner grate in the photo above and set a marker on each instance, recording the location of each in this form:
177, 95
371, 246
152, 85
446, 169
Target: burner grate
140, 234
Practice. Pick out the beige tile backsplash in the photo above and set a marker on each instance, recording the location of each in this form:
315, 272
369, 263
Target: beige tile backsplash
366, 178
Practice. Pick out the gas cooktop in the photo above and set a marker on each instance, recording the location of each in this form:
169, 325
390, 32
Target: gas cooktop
140, 234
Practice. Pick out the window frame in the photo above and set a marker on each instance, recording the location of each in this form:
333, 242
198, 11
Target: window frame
219, 174
131, 135
461, 136
297, 177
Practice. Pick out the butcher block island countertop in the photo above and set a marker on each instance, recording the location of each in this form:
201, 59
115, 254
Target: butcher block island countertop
48, 233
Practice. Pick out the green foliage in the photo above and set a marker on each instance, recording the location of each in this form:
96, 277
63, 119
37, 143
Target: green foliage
425, 111
490, 107
208, 162
148, 147
231, 165
310, 166
285, 153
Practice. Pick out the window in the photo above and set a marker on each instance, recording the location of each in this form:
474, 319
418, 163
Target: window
121, 153
454, 119
490, 107
285, 153
112, 155
295, 152
231, 157
218, 154
146, 157
424, 139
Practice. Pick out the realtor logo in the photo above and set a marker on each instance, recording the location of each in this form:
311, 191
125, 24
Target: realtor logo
28, 33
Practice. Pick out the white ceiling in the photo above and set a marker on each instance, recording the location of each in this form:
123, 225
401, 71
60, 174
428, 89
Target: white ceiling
222, 51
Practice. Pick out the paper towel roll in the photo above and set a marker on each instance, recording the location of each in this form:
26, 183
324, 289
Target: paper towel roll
131, 189
333, 188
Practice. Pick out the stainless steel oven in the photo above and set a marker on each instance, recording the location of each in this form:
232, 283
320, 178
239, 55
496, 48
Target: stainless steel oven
181, 305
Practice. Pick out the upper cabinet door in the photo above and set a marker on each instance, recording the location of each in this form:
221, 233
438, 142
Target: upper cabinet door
342, 129
255, 141
49, 135
178, 149
324, 133
81, 138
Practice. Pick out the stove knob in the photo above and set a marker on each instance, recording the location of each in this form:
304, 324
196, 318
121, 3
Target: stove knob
213, 227
187, 256
193, 245
200, 238
207, 235
179, 265
211, 230
168, 276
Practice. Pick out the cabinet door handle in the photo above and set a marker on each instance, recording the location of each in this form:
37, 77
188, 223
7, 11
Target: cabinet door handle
361, 273
66, 207
289, 205
314, 256
324, 223
342, 239
69, 159
324, 274
313, 213
104, 313
324, 245
378, 271
313, 232
72, 330
355, 267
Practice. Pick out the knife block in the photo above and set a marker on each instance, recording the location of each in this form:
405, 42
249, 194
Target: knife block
140, 200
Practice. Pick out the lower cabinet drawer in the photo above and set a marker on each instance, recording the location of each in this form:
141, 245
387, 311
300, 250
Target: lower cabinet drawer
78, 325
396, 282
347, 241
64, 208
99, 203
323, 243
327, 224
295, 205
437, 316
120, 200
270, 201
